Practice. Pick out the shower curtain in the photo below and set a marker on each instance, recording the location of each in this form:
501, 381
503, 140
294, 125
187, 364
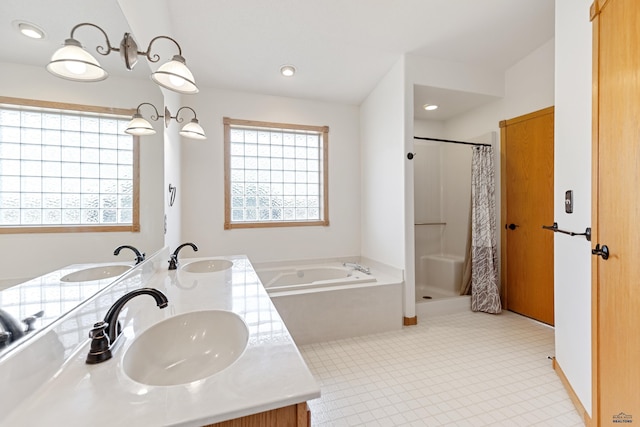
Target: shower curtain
485, 293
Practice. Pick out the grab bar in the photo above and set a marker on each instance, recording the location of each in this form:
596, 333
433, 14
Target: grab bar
430, 223
555, 229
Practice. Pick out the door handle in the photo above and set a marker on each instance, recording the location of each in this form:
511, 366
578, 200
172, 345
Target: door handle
511, 226
601, 251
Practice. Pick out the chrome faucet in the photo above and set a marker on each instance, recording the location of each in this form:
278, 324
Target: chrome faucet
139, 256
104, 334
173, 260
356, 266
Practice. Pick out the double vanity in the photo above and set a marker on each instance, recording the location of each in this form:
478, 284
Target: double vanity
218, 351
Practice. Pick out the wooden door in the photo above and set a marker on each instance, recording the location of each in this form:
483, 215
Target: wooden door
616, 213
527, 205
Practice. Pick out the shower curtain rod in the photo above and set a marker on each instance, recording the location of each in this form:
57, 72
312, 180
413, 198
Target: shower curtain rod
476, 144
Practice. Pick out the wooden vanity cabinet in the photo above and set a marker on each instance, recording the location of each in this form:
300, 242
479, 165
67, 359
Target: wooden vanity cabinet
297, 415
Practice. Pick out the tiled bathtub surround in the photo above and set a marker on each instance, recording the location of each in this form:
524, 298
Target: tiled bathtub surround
463, 369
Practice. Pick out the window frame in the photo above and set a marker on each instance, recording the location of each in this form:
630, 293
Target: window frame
83, 228
322, 130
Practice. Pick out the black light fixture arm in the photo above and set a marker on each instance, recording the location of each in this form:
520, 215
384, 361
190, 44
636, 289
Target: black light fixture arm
167, 114
156, 57
102, 50
179, 120
128, 47
153, 117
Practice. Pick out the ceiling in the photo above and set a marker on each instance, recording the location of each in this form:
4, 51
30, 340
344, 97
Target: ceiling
341, 49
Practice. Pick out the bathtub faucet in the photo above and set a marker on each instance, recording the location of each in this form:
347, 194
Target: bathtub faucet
355, 266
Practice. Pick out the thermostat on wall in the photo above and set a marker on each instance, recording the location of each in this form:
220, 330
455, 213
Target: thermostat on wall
568, 201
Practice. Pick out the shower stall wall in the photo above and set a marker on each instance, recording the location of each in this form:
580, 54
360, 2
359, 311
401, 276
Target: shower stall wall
442, 199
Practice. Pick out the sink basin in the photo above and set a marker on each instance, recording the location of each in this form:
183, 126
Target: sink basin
207, 266
96, 273
186, 348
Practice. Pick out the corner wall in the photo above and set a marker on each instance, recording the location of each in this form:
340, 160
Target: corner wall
173, 143
573, 172
382, 133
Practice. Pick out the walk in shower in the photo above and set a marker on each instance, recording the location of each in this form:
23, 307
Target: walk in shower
442, 201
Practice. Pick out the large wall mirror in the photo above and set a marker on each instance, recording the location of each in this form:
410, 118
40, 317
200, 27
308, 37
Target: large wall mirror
26, 256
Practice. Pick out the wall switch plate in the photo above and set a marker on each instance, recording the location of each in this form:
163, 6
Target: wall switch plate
568, 201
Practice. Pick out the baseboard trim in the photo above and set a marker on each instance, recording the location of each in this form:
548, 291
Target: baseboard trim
572, 394
410, 321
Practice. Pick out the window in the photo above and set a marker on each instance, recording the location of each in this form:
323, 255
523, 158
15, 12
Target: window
66, 167
275, 174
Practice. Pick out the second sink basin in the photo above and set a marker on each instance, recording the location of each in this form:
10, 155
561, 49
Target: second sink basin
96, 273
207, 266
186, 348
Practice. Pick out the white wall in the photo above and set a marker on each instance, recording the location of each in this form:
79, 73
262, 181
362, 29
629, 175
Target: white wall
427, 166
528, 86
442, 192
573, 172
456, 197
454, 75
30, 255
386, 187
202, 189
382, 123
427, 172
173, 170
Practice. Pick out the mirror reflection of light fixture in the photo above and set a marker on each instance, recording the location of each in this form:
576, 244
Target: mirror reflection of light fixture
72, 62
141, 127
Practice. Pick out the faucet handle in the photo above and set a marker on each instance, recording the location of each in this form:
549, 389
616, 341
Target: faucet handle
5, 338
98, 328
99, 351
173, 262
29, 321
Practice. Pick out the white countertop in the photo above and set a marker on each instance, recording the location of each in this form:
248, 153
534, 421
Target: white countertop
270, 373
49, 294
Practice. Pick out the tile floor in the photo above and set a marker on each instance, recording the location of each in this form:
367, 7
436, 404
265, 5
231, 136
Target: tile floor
462, 369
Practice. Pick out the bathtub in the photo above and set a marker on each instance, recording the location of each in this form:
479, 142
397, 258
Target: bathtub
311, 277
327, 301
439, 278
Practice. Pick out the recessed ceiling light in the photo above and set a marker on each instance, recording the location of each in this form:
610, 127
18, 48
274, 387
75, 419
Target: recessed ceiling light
29, 30
430, 107
288, 70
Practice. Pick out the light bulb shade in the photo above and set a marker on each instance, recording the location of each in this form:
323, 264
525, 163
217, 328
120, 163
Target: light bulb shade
193, 130
175, 76
139, 126
72, 62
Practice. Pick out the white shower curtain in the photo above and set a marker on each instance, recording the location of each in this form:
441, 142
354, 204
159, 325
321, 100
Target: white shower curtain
485, 293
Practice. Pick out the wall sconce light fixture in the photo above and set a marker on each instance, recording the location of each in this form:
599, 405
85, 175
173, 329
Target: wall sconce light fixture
73, 62
140, 126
